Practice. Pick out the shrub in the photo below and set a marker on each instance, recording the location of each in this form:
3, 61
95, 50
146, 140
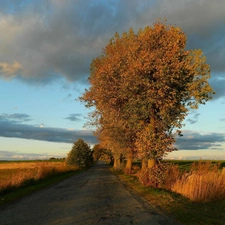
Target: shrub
171, 175
154, 176
80, 155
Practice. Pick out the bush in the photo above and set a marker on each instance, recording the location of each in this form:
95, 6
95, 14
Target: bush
154, 176
80, 155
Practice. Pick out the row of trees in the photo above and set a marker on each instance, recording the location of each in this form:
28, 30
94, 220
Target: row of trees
142, 87
82, 156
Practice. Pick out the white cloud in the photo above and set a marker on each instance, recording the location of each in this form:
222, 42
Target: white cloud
13, 155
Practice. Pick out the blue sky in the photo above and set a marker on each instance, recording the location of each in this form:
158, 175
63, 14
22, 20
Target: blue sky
46, 47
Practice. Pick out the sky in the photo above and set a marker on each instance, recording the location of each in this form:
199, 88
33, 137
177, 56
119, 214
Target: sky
46, 48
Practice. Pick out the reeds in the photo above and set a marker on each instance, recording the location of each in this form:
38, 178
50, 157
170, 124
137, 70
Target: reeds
205, 182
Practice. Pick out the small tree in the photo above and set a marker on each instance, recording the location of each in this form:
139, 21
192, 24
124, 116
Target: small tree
80, 154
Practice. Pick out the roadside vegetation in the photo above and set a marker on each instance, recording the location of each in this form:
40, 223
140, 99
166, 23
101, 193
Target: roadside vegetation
142, 87
203, 181
193, 192
19, 178
80, 155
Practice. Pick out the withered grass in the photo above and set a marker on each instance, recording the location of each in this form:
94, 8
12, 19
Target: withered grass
17, 174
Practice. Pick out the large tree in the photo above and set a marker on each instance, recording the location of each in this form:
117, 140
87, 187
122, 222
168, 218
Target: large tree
144, 85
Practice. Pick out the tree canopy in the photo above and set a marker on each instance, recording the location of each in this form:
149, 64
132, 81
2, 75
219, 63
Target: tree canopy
143, 86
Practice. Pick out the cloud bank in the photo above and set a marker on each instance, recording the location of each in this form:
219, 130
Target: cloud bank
11, 125
13, 155
193, 140
47, 39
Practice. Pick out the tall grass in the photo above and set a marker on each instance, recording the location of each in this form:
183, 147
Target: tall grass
19, 174
204, 182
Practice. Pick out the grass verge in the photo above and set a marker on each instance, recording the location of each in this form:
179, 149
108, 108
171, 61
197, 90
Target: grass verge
176, 206
15, 193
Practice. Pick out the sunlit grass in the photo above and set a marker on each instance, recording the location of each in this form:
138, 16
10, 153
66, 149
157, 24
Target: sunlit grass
16, 174
200, 181
177, 205
205, 182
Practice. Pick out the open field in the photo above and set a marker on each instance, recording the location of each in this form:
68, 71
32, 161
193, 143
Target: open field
8, 165
186, 164
18, 175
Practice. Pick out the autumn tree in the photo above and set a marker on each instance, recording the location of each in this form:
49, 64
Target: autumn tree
99, 151
118, 139
80, 154
109, 141
144, 85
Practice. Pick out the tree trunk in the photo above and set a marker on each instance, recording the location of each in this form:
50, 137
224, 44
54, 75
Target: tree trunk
129, 162
151, 163
116, 165
111, 160
144, 163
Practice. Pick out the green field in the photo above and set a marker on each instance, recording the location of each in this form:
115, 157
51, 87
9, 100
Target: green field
186, 164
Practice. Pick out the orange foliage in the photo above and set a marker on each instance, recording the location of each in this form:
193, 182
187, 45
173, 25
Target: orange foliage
142, 87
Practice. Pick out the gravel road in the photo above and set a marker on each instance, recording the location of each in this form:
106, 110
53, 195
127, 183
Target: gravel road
95, 196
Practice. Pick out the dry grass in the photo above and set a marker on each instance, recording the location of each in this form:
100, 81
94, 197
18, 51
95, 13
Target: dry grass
205, 182
175, 205
18, 174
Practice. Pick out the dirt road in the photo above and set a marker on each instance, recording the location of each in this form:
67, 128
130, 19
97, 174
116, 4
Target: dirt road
95, 196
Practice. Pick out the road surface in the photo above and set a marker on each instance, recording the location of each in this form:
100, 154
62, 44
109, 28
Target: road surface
95, 196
